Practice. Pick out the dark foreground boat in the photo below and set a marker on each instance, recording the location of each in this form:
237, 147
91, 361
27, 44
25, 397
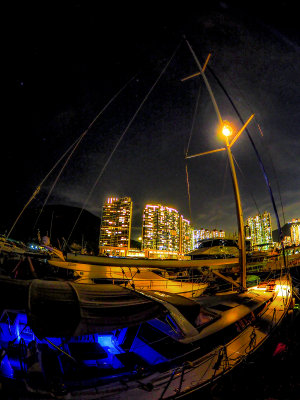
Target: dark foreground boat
57, 308
104, 341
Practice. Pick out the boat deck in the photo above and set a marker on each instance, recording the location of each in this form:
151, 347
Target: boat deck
192, 375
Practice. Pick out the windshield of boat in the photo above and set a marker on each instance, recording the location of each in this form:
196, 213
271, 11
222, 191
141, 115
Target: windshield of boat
217, 242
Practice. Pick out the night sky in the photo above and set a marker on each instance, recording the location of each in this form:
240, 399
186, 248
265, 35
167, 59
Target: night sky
65, 61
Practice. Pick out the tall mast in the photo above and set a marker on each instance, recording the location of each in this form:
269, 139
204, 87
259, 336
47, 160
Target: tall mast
240, 218
227, 131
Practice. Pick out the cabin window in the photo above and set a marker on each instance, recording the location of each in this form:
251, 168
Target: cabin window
161, 343
221, 307
218, 242
205, 244
172, 324
204, 318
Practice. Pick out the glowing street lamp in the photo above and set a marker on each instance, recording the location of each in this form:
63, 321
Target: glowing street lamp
227, 129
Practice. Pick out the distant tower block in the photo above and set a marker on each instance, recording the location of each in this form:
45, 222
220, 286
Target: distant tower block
259, 229
115, 230
161, 228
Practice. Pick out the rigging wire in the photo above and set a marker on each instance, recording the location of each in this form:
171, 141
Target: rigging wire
187, 150
274, 171
188, 147
188, 190
259, 161
223, 190
74, 147
56, 180
79, 141
193, 120
122, 136
249, 191
247, 104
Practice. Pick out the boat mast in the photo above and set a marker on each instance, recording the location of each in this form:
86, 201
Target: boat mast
227, 131
240, 218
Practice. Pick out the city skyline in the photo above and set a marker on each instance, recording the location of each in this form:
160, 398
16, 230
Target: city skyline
200, 227
164, 228
138, 229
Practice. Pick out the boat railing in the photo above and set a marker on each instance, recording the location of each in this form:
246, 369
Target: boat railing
181, 285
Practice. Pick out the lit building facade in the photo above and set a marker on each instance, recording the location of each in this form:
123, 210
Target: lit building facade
161, 226
186, 239
115, 230
218, 234
295, 231
259, 230
200, 234
247, 232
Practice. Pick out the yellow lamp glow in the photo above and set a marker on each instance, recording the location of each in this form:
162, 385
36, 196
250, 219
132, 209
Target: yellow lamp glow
227, 129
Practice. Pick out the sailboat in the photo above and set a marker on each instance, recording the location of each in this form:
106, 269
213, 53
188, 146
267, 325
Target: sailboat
137, 277
178, 346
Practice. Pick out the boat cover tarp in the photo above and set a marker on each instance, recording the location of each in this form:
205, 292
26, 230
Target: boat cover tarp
63, 308
104, 307
13, 293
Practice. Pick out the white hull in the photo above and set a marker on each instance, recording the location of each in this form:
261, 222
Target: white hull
142, 279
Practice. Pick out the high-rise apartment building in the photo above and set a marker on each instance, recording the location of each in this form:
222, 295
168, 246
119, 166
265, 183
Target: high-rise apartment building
186, 239
259, 230
218, 234
115, 230
200, 234
161, 227
247, 231
295, 231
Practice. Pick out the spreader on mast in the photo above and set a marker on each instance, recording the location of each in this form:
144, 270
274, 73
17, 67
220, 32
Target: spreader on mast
227, 131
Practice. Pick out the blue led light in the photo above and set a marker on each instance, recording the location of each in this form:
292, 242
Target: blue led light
105, 341
5, 368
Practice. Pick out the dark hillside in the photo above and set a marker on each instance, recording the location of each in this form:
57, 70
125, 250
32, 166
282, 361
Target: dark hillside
57, 221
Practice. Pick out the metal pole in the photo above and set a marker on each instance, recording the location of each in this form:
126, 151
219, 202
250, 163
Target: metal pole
240, 218
239, 212
207, 84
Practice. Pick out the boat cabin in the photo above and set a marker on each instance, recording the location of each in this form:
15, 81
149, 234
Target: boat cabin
185, 331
